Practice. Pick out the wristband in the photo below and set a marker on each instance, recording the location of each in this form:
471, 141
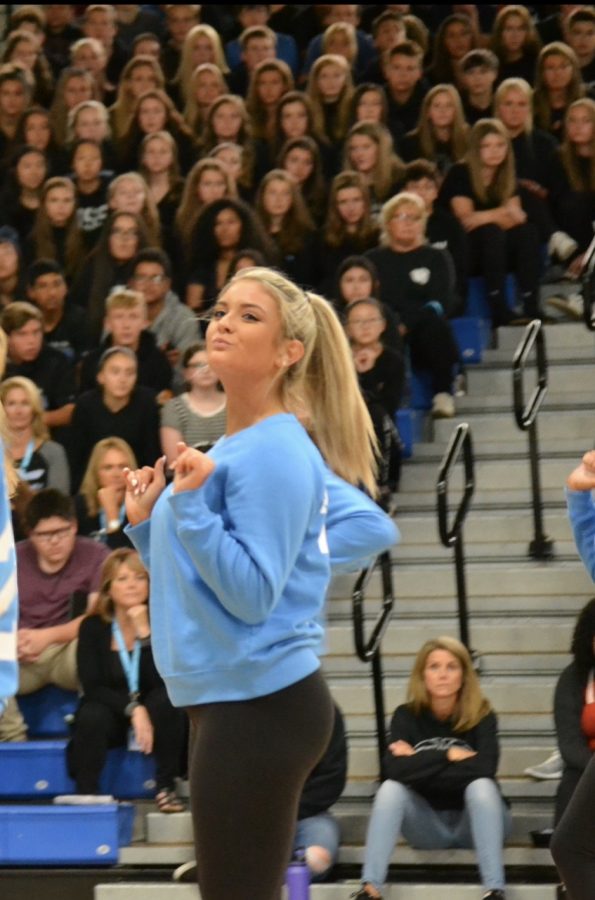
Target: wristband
129, 709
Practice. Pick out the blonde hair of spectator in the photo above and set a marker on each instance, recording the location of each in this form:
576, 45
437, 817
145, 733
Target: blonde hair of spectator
209, 139
41, 71
471, 707
335, 229
515, 84
17, 314
28, 13
193, 114
340, 126
59, 111
174, 169
123, 556
503, 186
572, 162
190, 206
389, 167
390, 208
73, 115
459, 134
323, 382
257, 31
257, 111
297, 222
42, 232
346, 32
121, 297
245, 177
12, 479
183, 77
38, 427
122, 110
574, 91
305, 100
149, 213
532, 44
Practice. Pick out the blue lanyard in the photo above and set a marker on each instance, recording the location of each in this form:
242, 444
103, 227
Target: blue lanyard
130, 661
26, 459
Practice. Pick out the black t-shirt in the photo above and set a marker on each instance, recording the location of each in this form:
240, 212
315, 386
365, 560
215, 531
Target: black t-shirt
402, 117
384, 382
53, 375
69, 335
92, 210
154, 370
458, 184
536, 158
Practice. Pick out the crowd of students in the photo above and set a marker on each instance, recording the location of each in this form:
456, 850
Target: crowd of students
380, 155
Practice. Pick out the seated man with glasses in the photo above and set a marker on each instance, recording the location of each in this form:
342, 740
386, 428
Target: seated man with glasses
54, 568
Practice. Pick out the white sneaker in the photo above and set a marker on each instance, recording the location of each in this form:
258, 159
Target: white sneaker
561, 245
443, 406
549, 770
572, 305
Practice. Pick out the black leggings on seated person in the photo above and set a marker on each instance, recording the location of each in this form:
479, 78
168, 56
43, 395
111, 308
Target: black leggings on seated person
573, 841
248, 763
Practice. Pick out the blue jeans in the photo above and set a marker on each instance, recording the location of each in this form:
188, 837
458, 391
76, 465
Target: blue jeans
484, 823
321, 830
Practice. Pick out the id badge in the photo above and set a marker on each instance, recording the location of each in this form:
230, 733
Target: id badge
132, 741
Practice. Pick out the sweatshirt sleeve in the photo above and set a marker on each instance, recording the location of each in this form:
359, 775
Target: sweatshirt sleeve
8, 596
568, 707
458, 775
357, 529
581, 512
140, 535
246, 559
413, 770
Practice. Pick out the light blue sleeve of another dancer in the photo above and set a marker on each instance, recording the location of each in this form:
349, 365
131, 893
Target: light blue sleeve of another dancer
581, 512
8, 596
357, 529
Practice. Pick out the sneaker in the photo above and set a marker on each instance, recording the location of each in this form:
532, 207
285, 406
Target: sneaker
561, 245
443, 406
572, 305
186, 873
549, 770
494, 895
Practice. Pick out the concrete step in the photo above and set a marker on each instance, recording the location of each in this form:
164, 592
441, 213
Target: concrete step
563, 380
492, 665
570, 449
498, 528
579, 426
571, 335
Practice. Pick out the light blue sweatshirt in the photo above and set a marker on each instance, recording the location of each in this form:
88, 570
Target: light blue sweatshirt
239, 567
9, 676
581, 512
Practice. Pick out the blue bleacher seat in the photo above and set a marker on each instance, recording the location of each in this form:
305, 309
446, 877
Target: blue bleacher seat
45, 711
473, 335
477, 297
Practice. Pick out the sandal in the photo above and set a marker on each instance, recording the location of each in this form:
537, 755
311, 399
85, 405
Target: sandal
168, 802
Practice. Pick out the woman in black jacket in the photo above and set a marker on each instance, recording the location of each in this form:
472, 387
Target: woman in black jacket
440, 764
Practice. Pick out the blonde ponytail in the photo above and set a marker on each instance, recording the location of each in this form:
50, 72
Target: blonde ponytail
12, 478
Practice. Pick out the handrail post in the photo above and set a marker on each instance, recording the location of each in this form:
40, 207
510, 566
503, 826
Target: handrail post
370, 650
541, 547
588, 286
453, 536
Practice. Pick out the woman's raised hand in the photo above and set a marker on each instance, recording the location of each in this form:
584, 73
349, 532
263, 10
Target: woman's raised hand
191, 468
143, 487
583, 477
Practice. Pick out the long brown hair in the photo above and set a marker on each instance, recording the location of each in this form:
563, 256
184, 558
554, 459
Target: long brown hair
190, 206
574, 91
297, 223
459, 133
503, 187
124, 556
389, 167
90, 483
335, 229
42, 233
570, 158
343, 103
532, 44
123, 109
263, 126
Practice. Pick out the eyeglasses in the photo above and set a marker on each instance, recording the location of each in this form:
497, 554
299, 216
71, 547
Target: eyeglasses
125, 232
149, 279
406, 217
358, 322
58, 534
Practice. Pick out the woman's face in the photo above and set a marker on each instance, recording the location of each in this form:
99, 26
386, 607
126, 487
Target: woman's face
152, 115
492, 151
277, 198
110, 472
579, 126
228, 229
441, 111
355, 284
123, 240
128, 196
299, 163
365, 325
25, 52
211, 186
331, 81
31, 171
203, 51
90, 125
118, 376
86, 58
87, 162
270, 87
158, 156
458, 40
18, 409
198, 373
227, 122
406, 227
363, 153
129, 587
514, 110
294, 120
351, 205
514, 33
443, 675
141, 79
37, 131
207, 89
369, 107
231, 157
60, 205
76, 90
557, 72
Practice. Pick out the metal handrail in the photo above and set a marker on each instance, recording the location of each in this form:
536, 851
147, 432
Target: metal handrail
541, 547
588, 285
453, 536
370, 650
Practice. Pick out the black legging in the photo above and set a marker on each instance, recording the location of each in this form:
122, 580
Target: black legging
433, 347
573, 841
98, 727
248, 763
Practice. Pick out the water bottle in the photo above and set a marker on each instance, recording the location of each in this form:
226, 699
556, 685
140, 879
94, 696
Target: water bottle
297, 878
